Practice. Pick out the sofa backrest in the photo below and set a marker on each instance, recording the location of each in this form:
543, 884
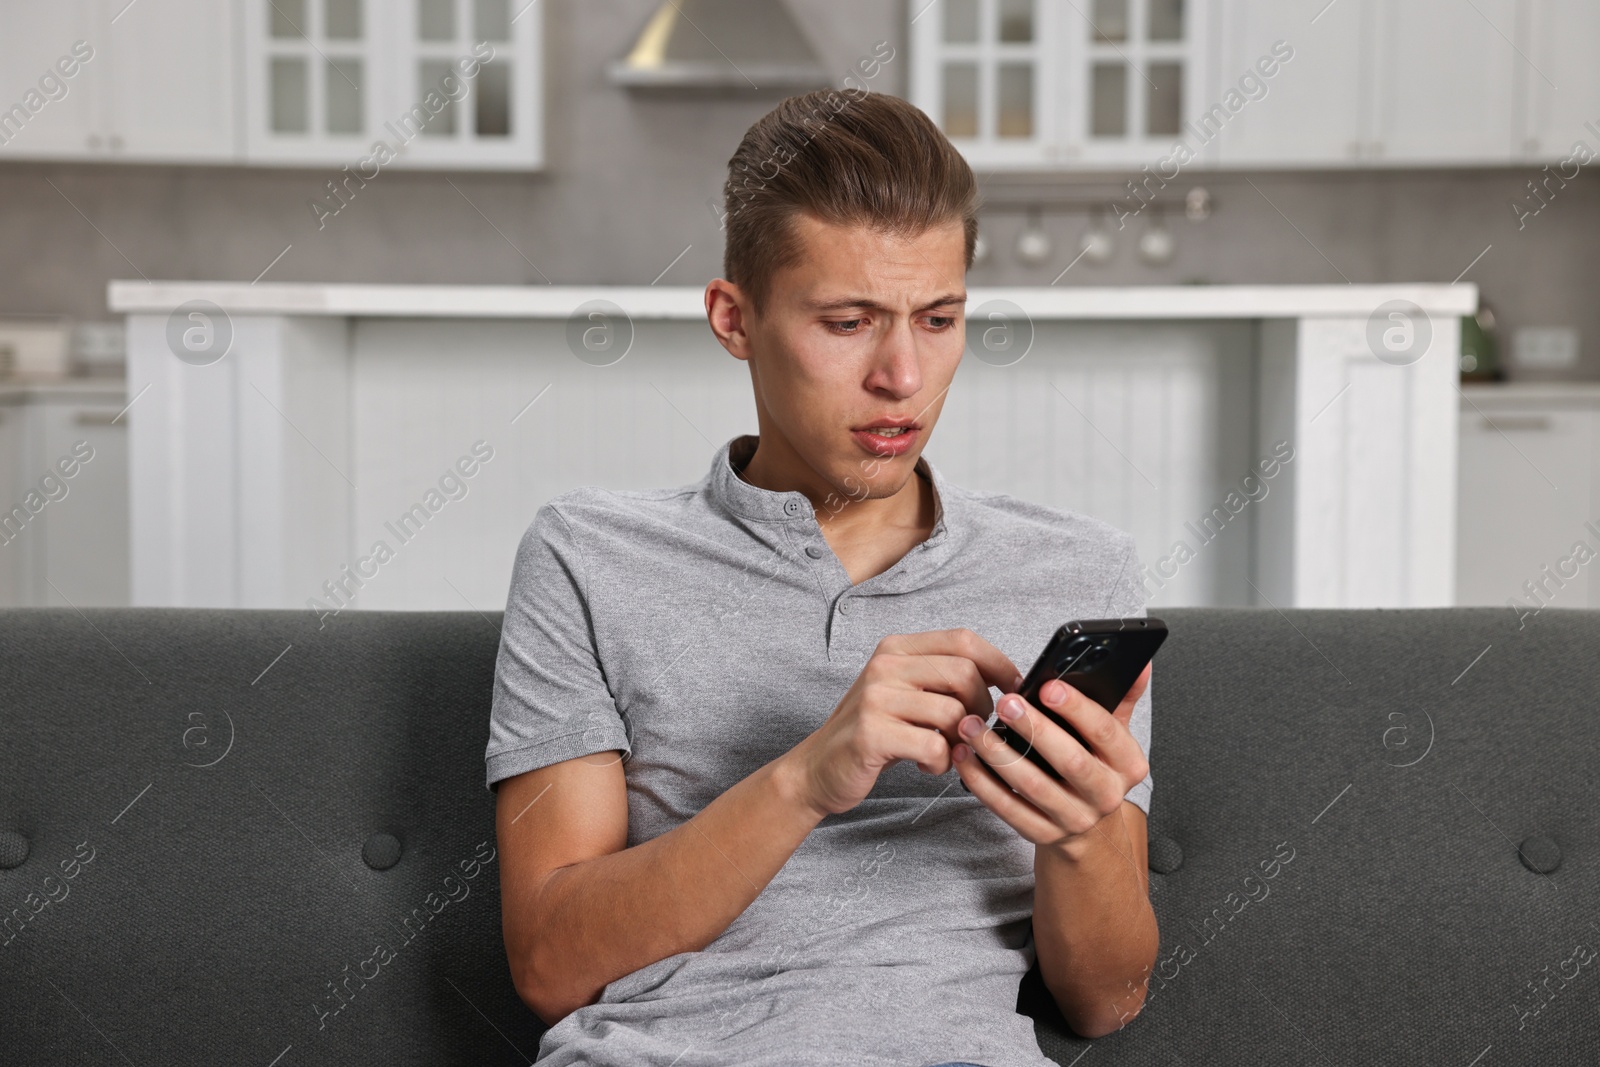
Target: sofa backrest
234, 836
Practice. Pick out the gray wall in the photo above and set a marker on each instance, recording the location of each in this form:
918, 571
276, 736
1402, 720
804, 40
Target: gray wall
630, 175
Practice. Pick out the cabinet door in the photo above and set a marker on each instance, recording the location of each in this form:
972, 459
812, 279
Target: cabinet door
318, 81
1563, 79
497, 122
1315, 107
44, 114
1527, 476
1137, 76
85, 547
171, 74
16, 540
990, 73
1447, 80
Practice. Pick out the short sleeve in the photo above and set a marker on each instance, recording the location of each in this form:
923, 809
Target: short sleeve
551, 701
1128, 601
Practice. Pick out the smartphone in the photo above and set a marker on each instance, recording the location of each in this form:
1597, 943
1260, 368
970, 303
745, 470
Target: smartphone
1100, 658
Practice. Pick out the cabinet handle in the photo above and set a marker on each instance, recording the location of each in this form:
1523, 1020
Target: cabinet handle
116, 142
99, 418
94, 141
1517, 422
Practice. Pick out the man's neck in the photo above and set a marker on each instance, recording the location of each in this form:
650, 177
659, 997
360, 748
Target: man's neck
867, 534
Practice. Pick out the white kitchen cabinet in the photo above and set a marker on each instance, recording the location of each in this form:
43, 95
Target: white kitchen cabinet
85, 542
36, 35
989, 73
15, 559
157, 86
171, 73
1139, 76
1020, 84
1563, 79
1318, 106
327, 81
74, 549
1372, 83
1448, 76
1379, 83
1529, 491
279, 82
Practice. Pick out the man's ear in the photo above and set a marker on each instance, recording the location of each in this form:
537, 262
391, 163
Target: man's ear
728, 311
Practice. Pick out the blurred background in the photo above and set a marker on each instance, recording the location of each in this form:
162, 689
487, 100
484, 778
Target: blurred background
1300, 293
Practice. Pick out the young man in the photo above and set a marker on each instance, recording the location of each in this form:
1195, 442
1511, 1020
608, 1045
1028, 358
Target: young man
749, 811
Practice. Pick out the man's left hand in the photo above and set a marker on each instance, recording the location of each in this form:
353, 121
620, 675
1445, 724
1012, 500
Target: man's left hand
1094, 780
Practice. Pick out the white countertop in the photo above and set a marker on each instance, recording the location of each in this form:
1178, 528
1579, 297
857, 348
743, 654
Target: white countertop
687, 302
1545, 393
32, 390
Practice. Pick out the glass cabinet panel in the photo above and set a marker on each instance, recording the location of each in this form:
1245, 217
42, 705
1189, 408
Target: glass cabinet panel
960, 100
290, 98
1110, 20
960, 21
1016, 21
1016, 100
1108, 108
1164, 102
343, 81
1166, 20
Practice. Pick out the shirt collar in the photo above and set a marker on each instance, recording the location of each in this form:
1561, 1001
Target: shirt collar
733, 494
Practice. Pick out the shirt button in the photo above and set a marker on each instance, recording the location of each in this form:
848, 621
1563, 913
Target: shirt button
844, 607
792, 507
813, 551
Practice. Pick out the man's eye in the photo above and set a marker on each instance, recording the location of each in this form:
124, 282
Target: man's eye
940, 322
848, 326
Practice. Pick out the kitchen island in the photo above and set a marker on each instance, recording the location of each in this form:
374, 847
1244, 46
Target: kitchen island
1268, 445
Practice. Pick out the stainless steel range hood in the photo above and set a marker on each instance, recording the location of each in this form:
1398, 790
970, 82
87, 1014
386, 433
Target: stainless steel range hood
720, 44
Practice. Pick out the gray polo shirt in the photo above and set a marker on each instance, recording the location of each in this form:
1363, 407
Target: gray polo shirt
706, 630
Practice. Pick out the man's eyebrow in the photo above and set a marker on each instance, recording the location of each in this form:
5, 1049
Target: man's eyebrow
851, 303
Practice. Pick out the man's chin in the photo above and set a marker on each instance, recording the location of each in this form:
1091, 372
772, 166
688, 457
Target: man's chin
873, 477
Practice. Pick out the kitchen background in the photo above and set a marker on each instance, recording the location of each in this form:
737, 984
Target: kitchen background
1400, 143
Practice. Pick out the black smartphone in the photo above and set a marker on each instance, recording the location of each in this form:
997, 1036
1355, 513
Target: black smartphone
1100, 658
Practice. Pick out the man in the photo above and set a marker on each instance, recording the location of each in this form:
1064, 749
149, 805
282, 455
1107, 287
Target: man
749, 811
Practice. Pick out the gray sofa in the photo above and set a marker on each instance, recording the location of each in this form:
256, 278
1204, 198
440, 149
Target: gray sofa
234, 837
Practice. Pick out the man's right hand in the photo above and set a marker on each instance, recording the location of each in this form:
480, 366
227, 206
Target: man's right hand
904, 705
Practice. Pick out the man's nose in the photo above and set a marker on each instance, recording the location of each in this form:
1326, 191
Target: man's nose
895, 366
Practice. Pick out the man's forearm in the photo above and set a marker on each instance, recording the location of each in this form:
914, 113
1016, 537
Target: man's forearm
606, 917
1093, 927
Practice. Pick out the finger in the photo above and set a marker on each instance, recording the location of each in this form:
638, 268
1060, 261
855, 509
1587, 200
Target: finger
995, 795
1099, 782
928, 749
921, 709
1104, 733
995, 666
955, 675
1060, 803
1140, 684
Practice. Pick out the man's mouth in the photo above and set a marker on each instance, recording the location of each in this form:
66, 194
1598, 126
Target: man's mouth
887, 437
889, 426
